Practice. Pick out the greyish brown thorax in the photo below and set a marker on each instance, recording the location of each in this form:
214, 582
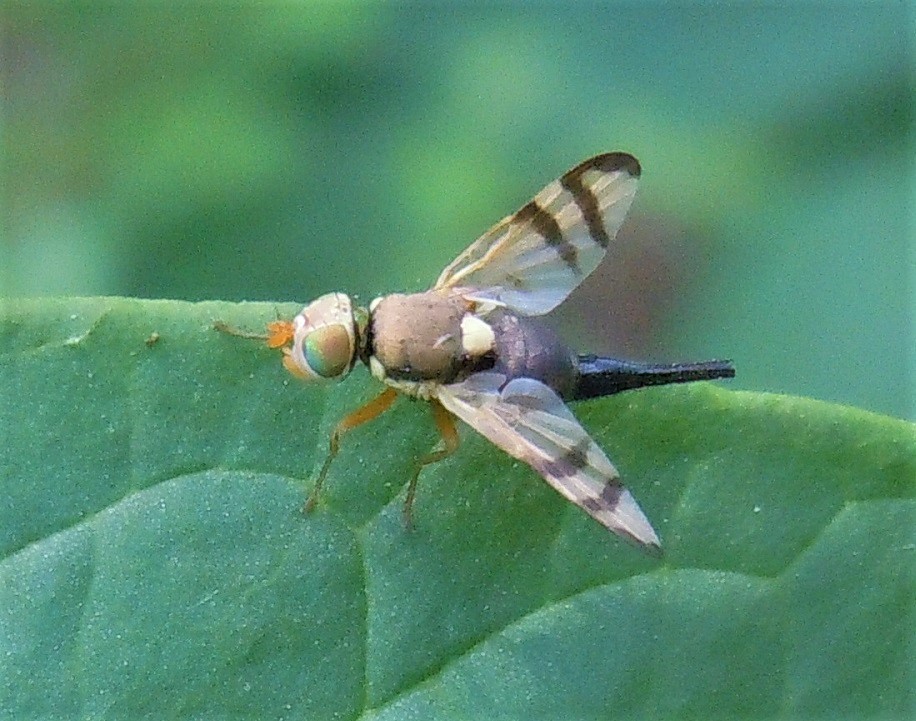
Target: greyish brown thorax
436, 337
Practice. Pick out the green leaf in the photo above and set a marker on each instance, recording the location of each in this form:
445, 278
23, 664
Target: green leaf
156, 562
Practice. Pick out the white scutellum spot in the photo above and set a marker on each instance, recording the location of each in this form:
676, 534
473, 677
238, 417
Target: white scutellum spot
374, 304
477, 337
376, 368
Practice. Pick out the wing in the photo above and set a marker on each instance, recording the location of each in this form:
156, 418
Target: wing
532, 260
529, 421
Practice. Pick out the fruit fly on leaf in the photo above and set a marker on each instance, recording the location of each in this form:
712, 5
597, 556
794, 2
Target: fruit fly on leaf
472, 347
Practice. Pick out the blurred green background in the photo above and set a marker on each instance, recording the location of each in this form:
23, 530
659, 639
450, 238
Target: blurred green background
274, 151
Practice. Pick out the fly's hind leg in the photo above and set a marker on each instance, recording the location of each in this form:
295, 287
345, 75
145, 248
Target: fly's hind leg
447, 445
373, 409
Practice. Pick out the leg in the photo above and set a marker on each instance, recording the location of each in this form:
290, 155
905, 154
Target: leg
448, 445
373, 409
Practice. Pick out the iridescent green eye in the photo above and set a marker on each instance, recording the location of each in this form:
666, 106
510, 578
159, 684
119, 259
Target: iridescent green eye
328, 351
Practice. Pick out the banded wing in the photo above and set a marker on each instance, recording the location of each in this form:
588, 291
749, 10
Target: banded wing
530, 261
529, 421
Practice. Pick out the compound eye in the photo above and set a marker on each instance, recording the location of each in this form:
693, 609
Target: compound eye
328, 350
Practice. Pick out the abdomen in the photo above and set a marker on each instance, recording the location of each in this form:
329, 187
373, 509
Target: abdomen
526, 348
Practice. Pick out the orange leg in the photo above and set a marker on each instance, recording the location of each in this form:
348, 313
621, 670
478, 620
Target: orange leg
373, 409
448, 445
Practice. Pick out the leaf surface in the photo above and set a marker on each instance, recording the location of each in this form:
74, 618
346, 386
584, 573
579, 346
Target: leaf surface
155, 560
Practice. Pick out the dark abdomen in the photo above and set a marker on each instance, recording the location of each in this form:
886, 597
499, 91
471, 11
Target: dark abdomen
526, 348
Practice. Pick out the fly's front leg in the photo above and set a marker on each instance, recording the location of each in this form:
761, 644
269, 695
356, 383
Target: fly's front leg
373, 409
447, 445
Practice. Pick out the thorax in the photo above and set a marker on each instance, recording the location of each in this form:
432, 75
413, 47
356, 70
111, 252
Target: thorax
419, 341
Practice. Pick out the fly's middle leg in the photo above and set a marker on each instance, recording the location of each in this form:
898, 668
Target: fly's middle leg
448, 444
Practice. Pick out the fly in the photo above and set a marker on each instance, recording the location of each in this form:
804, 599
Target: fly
473, 348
